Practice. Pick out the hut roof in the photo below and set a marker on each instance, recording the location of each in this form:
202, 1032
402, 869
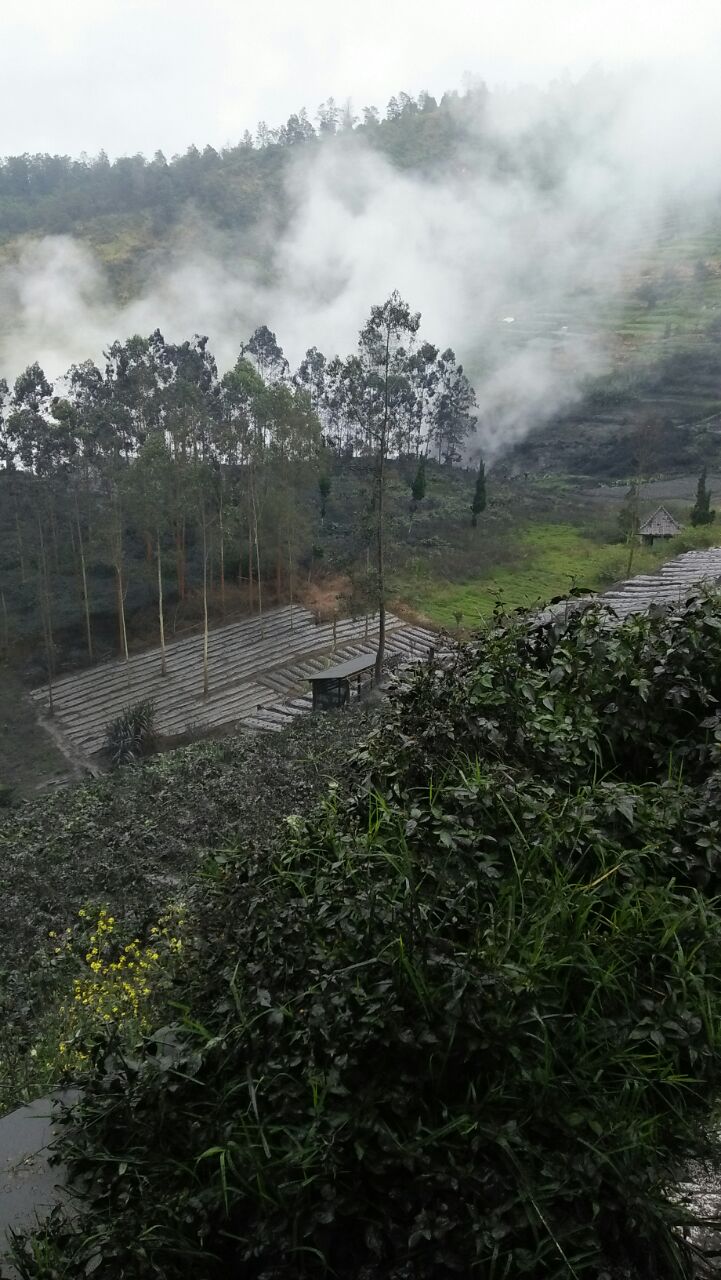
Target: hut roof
352, 667
660, 525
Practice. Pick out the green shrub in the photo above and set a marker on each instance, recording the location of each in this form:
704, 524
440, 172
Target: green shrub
132, 734
464, 1021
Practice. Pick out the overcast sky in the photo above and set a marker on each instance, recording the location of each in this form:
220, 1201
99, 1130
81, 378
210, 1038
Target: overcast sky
137, 75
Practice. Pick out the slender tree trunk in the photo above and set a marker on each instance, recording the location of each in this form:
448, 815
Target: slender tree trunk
278, 567
184, 560
161, 620
257, 563
290, 582
380, 654
179, 561
54, 534
84, 580
6, 627
46, 614
205, 608
120, 586
21, 548
250, 559
179, 528
222, 556
122, 629
636, 524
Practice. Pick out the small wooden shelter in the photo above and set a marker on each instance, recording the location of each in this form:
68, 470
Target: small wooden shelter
332, 687
659, 525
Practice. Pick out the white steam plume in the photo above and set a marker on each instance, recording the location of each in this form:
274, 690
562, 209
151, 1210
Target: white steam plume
514, 274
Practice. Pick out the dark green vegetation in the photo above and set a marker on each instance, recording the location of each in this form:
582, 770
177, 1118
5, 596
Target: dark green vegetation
132, 734
462, 1020
154, 474
132, 840
140, 200
701, 512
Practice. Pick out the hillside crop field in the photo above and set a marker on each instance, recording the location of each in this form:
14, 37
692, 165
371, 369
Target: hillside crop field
538, 538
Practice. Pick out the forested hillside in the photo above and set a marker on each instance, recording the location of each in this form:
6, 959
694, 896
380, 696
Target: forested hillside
155, 479
657, 325
236, 186
130, 208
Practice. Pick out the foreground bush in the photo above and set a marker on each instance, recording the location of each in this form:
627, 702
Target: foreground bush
467, 1020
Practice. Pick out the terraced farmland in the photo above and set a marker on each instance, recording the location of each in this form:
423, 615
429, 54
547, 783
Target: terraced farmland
670, 585
258, 675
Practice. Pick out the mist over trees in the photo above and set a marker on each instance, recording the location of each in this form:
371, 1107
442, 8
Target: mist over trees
50, 193
156, 466
514, 217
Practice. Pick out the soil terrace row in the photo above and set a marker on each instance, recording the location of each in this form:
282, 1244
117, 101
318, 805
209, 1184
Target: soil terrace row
258, 673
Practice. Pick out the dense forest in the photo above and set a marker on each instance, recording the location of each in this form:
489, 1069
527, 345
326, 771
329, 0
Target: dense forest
154, 474
237, 185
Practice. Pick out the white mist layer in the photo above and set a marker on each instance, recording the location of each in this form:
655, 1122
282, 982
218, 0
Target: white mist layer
515, 278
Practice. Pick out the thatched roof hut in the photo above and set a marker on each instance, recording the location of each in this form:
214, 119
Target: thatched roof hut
660, 525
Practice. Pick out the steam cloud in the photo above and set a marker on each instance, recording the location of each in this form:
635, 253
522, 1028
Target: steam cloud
514, 272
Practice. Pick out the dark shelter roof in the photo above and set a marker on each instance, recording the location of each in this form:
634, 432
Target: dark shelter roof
350, 668
660, 525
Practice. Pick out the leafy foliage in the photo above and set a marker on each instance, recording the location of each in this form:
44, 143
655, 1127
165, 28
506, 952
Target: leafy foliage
132, 734
118, 841
465, 1019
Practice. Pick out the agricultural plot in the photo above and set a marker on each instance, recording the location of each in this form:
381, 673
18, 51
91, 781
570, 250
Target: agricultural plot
258, 676
259, 671
672, 582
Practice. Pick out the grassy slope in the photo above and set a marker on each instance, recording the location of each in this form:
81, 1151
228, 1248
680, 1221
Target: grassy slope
551, 558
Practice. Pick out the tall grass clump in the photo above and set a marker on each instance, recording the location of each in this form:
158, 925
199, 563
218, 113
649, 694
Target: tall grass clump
463, 1021
132, 734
